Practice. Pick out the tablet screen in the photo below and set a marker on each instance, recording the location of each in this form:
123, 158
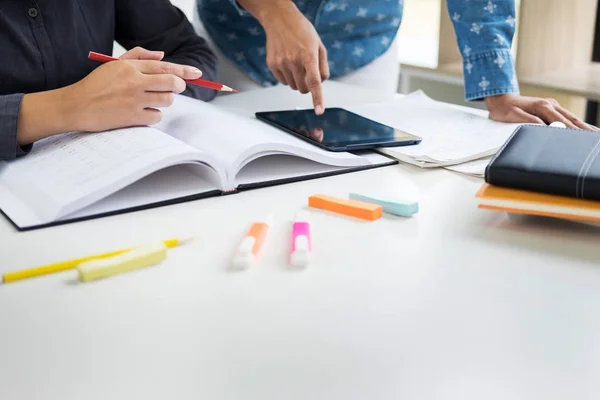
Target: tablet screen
336, 127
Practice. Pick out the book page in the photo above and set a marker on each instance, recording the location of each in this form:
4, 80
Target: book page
451, 135
284, 168
169, 184
238, 139
74, 170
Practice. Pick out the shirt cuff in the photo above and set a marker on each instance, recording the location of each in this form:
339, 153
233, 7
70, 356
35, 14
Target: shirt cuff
10, 105
489, 73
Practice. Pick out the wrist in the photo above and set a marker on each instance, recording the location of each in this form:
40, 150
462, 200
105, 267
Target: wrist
42, 115
267, 12
492, 101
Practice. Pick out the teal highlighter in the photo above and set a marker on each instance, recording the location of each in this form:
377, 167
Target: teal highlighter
403, 208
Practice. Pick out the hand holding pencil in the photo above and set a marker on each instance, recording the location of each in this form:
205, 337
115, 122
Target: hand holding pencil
139, 53
125, 94
115, 95
128, 93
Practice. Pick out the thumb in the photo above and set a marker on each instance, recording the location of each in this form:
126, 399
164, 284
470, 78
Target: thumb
139, 53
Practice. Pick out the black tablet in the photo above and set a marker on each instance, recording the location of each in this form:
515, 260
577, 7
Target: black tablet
337, 129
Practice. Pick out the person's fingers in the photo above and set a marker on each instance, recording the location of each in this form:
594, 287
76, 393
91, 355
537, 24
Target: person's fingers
317, 94
161, 67
164, 83
590, 127
549, 114
148, 116
516, 115
521, 116
158, 99
289, 78
323, 63
574, 119
279, 76
313, 84
139, 53
300, 77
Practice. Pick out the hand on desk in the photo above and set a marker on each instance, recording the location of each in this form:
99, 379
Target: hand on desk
114, 95
522, 109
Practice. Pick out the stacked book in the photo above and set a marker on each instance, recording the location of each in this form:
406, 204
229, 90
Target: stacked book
545, 171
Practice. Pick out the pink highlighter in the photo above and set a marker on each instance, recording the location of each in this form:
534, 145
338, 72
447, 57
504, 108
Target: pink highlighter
301, 244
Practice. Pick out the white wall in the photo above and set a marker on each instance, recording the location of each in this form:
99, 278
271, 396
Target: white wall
187, 6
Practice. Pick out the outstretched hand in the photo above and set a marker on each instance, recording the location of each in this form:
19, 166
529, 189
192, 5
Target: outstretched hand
296, 55
523, 109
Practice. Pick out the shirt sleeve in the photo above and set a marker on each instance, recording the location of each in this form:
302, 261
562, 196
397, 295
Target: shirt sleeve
159, 25
485, 31
10, 105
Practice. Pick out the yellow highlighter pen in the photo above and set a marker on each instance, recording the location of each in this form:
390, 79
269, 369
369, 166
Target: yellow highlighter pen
71, 264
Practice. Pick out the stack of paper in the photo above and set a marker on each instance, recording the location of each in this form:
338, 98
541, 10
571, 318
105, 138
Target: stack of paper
454, 137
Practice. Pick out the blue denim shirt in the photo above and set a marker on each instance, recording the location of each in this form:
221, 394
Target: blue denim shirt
355, 32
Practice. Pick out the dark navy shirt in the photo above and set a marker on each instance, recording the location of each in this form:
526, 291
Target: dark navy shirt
44, 45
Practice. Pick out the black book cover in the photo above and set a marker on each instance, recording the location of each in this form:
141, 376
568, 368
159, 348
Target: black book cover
549, 160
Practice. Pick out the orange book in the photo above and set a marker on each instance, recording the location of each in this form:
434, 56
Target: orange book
533, 203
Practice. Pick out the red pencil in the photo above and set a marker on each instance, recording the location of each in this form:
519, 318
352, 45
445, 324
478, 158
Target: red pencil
200, 82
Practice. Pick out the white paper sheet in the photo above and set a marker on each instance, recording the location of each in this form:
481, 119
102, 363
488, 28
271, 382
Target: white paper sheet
473, 168
451, 135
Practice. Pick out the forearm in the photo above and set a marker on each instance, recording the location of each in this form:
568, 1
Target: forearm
27, 118
485, 33
42, 115
9, 117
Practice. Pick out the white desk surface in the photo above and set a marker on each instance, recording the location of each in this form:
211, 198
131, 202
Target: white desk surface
456, 303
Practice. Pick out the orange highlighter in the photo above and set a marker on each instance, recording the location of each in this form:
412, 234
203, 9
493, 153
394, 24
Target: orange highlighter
251, 244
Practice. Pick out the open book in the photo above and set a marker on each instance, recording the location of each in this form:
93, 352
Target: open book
198, 150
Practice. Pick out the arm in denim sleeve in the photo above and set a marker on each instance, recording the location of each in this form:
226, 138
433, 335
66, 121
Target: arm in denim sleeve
10, 105
485, 31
